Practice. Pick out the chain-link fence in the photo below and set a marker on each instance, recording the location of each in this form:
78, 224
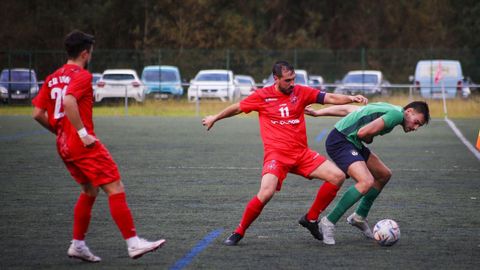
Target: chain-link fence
397, 65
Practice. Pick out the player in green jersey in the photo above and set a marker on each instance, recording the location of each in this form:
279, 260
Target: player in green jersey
345, 146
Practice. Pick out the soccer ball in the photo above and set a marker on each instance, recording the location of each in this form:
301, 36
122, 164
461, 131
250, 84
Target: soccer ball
386, 232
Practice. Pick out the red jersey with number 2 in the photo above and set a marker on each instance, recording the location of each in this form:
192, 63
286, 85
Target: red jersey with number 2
282, 119
68, 80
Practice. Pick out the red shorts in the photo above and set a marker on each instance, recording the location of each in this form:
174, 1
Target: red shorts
97, 168
304, 164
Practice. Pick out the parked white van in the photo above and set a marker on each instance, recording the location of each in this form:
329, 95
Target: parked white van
450, 77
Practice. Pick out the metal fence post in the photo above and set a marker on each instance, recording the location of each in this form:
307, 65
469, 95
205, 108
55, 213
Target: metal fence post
227, 59
295, 58
30, 74
362, 55
126, 100
197, 104
159, 57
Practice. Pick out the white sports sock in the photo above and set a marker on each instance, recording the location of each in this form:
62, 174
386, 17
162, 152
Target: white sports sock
78, 243
132, 241
358, 217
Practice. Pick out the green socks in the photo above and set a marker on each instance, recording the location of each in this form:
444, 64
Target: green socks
348, 200
366, 202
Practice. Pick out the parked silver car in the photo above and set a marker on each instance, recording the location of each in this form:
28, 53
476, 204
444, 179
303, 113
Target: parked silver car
245, 84
364, 82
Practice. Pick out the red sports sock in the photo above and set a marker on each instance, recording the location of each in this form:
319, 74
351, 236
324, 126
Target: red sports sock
252, 211
326, 194
122, 215
82, 213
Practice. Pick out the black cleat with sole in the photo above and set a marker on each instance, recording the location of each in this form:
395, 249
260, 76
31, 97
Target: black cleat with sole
233, 239
312, 227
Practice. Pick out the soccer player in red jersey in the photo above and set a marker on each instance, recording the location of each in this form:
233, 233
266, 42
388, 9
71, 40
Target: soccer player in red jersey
280, 109
64, 107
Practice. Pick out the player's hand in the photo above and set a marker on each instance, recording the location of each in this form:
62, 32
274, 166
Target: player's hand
310, 111
89, 141
360, 99
208, 121
368, 140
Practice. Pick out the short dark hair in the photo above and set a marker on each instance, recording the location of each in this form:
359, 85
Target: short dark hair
420, 107
76, 42
280, 66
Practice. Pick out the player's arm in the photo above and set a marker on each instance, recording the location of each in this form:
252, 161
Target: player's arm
338, 99
230, 111
71, 111
337, 110
40, 115
367, 132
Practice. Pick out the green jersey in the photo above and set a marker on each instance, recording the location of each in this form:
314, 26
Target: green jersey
349, 125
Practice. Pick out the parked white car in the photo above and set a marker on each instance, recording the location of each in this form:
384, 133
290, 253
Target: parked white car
245, 84
213, 83
115, 82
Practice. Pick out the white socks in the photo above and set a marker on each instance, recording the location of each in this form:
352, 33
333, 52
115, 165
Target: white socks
132, 241
78, 243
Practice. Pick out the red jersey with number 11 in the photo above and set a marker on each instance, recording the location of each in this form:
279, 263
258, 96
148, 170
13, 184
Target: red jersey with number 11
282, 120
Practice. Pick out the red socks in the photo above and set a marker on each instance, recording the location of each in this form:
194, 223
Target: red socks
122, 215
81, 215
326, 194
252, 211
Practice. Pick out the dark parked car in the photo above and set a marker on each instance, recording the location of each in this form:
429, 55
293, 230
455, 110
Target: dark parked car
18, 84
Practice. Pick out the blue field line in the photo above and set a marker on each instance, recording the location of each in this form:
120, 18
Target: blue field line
201, 245
20, 135
320, 136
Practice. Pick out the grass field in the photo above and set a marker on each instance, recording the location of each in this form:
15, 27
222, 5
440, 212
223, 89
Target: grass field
191, 187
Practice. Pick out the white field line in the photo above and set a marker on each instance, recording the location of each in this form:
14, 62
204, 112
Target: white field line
459, 134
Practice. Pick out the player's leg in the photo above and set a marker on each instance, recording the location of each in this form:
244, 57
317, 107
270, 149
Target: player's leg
82, 211
334, 179
359, 171
254, 207
381, 174
103, 172
81, 216
122, 216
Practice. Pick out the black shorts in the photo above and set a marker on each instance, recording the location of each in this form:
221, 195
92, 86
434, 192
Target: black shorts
343, 152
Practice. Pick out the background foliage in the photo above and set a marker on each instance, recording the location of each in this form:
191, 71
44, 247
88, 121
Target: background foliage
275, 24
326, 37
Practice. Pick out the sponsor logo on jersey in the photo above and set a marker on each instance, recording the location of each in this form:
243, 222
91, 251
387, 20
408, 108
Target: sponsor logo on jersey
286, 122
271, 99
